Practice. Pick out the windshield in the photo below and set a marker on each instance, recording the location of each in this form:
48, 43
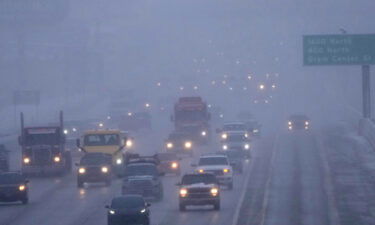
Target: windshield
234, 127
210, 161
101, 139
42, 139
195, 179
127, 202
11, 178
190, 115
236, 138
138, 170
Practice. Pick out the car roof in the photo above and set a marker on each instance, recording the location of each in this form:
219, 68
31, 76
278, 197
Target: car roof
234, 123
213, 155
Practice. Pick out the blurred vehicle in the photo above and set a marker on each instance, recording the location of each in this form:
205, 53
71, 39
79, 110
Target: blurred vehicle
169, 163
192, 117
94, 167
217, 165
43, 149
253, 127
236, 140
231, 126
235, 158
298, 122
136, 121
128, 209
110, 142
179, 142
143, 178
13, 187
4, 159
199, 189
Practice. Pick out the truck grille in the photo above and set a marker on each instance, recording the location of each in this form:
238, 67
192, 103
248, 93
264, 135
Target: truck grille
215, 172
41, 156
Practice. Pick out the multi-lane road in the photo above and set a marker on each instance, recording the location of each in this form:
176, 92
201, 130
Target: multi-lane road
285, 182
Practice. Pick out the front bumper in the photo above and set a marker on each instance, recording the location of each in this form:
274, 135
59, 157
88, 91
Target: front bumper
199, 201
43, 169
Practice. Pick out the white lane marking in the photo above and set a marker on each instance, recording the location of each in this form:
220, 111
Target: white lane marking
239, 205
268, 183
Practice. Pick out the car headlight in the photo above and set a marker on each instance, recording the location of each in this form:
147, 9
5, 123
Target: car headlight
129, 143
57, 159
118, 161
246, 135
112, 212
26, 160
255, 131
174, 165
169, 145
306, 123
183, 192
290, 127
246, 146
143, 210
290, 123
224, 136
188, 144
226, 170
22, 187
201, 171
104, 169
66, 131
204, 133
82, 170
214, 191
225, 147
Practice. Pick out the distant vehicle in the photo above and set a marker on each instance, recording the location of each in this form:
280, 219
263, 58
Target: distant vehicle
231, 126
253, 128
128, 209
111, 142
136, 121
235, 158
192, 117
13, 188
169, 163
298, 122
217, 165
180, 143
144, 179
43, 149
4, 159
236, 140
199, 189
94, 167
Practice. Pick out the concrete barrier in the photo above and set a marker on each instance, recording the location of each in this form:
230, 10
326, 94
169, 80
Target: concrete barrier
367, 130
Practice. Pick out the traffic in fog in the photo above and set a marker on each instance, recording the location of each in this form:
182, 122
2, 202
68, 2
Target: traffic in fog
187, 112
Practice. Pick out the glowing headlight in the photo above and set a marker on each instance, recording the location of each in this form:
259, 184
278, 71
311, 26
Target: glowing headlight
143, 210
174, 165
204, 133
26, 160
112, 212
169, 145
306, 123
226, 170
225, 147
224, 136
290, 123
74, 129
255, 131
201, 171
22, 187
57, 159
290, 127
129, 143
246, 146
101, 125
214, 191
183, 192
118, 161
66, 131
82, 170
104, 169
246, 135
188, 144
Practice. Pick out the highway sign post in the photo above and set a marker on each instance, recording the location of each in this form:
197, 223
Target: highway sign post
357, 49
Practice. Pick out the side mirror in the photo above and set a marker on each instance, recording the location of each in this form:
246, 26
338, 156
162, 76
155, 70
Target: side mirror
193, 165
148, 204
78, 142
20, 140
76, 164
106, 206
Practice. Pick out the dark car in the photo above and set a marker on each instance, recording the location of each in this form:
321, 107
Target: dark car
13, 187
94, 167
128, 209
235, 158
180, 143
4, 159
199, 189
143, 179
169, 163
298, 122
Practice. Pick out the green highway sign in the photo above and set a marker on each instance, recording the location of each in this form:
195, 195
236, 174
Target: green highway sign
357, 49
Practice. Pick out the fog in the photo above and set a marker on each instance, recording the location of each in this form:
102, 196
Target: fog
83, 51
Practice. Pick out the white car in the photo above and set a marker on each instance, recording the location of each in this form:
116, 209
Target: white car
236, 140
217, 165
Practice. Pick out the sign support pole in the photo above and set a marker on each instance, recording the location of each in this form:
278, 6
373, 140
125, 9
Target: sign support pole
366, 91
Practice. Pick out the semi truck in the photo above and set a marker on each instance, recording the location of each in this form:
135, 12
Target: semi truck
191, 116
43, 149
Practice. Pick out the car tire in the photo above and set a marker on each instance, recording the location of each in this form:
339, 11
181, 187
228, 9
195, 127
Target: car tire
25, 200
182, 207
217, 206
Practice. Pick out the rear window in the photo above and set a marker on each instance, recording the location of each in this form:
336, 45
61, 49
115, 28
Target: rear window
140, 170
127, 202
